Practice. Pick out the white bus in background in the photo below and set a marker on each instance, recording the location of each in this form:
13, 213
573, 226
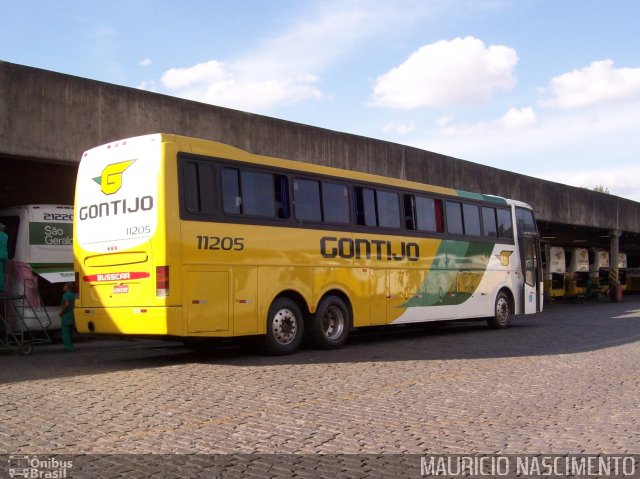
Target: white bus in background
578, 271
622, 270
554, 271
633, 273
599, 270
40, 259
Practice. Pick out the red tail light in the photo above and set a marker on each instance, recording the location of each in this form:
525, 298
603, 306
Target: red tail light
77, 284
162, 281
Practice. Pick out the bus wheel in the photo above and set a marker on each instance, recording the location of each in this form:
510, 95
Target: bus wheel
26, 348
285, 327
329, 327
502, 312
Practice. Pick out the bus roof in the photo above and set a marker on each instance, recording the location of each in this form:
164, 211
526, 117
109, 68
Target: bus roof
204, 147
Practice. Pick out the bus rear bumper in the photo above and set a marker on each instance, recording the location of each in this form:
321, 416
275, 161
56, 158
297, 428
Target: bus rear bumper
134, 321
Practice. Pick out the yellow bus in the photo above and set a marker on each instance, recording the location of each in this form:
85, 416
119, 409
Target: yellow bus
555, 271
186, 238
578, 271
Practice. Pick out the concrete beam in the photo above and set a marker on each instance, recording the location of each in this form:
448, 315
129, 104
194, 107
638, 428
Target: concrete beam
55, 117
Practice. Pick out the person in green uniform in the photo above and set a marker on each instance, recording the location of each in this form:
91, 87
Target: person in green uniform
67, 320
4, 254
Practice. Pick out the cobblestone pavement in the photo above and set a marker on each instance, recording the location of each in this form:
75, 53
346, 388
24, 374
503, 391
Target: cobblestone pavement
565, 381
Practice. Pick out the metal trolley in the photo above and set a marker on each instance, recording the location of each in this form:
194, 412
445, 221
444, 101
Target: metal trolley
20, 326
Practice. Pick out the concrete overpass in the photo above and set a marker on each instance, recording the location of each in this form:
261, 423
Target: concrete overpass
48, 119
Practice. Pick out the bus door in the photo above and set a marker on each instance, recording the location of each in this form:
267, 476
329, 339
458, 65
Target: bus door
532, 270
207, 300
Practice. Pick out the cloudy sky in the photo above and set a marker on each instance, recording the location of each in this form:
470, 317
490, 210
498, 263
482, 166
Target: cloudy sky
547, 88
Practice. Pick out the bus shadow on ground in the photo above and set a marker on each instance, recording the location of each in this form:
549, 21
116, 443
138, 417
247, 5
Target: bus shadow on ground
560, 329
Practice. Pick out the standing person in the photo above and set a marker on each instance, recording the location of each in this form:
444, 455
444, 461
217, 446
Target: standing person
67, 320
4, 254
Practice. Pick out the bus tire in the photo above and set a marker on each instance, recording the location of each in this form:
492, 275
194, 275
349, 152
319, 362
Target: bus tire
26, 348
502, 311
285, 328
329, 327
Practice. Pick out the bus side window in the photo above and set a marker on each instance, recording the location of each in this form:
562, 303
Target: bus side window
489, 224
525, 221
388, 209
258, 194
377, 208
505, 225
254, 193
231, 199
471, 217
454, 218
424, 214
410, 212
281, 187
335, 203
190, 187
306, 200
199, 187
365, 207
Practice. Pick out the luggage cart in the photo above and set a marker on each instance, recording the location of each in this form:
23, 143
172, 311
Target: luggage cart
20, 325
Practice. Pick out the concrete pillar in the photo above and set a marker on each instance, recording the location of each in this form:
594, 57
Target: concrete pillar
614, 272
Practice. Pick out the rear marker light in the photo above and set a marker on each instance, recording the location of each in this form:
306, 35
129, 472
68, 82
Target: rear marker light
162, 281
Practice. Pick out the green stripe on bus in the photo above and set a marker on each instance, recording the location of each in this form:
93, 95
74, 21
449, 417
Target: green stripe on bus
440, 286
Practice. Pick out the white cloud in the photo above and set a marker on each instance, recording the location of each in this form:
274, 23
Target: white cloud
227, 85
518, 120
444, 121
202, 73
513, 122
597, 83
149, 85
400, 128
457, 72
287, 67
585, 148
145, 63
623, 180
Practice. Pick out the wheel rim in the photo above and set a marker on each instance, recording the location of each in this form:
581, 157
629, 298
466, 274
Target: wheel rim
333, 322
502, 310
285, 326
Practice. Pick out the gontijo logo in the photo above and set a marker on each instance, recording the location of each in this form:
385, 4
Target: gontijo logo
111, 179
